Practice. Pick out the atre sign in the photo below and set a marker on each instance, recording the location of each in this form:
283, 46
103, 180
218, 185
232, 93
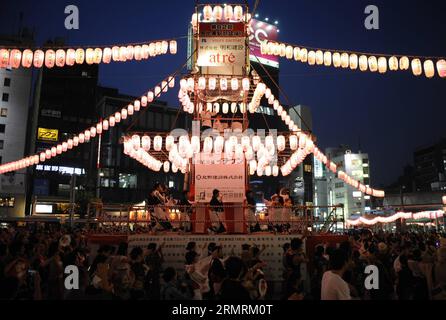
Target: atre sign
222, 48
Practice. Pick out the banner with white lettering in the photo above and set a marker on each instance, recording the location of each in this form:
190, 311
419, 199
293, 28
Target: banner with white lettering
229, 179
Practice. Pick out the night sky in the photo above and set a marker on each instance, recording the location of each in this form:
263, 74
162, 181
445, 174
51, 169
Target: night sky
389, 115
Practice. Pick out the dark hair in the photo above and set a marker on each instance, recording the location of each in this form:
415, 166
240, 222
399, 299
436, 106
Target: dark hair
151, 246
135, 253
245, 247
255, 251
234, 267
191, 245
215, 192
286, 246
338, 259
319, 251
190, 257
296, 244
404, 260
123, 249
169, 274
211, 246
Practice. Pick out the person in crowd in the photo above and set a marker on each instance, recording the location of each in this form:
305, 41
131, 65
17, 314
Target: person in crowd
139, 269
439, 276
232, 288
170, 290
405, 283
250, 212
217, 213
216, 272
154, 260
320, 266
333, 286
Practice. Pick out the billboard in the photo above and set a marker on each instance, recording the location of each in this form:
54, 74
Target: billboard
229, 179
259, 32
48, 135
222, 48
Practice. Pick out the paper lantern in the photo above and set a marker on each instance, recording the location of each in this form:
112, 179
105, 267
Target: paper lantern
60, 58
50, 58
75, 141
80, 56
225, 108
289, 53
48, 154
89, 56
393, 63
157, 91
158, 143
138, 53
382, 65
282, 48
294, 142
212, 83
87, 135
246, 84
70, 57
417, 68
4, 58
124, 114
105, 125
373, 64
296, 53
336, 59
234, 84
228, 12
218, 13
311, 57
319, 57
97, 56
238, 13
173, 47
223, 84
327, 58
243, 107
27, 58
164, 86
268, 171
354, 61
304, 55
42, 157
404, 63
363, 63
216, 107
281, 143
93, 132
234, 107
15, 58
207, 12
429, 69
441, 68
345, 63
39, 57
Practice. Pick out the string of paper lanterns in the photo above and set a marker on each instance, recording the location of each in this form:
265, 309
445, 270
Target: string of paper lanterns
50, 58
210, 83
219, 14
354, 61
400, 215
90, 133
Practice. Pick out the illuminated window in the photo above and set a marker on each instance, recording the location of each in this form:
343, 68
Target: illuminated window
308, 168
357, 194
4, 113
7, 202
339, 185
127, 181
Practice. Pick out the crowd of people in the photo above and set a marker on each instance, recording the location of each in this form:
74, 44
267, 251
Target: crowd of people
412, 266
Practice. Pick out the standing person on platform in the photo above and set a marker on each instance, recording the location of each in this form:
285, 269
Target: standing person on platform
250, 212
275, 213
287, 209
206, 120
333, 286
217, 213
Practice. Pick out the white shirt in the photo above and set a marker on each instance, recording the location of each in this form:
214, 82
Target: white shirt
334, 287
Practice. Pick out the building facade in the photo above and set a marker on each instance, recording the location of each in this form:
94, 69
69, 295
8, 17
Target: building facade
15, 90
430, 167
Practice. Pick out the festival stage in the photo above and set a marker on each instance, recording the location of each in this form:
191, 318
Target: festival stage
175, 246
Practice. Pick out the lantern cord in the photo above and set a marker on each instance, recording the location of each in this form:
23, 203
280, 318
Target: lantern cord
46, 47
363, 53
283, 93
167, 84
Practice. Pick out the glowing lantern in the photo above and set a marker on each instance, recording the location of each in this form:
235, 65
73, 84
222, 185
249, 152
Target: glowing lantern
234, 84
117, 117
223, 84
327, 58
353, 61
124, 114
87, 135
296, 53
228, 12
363, 63
382, 65
429, 69
218, 13
225, 108
80, 56
243, 107
112, 122
268, 171
304, 55
216, 107
105, 125
252, 167
281, 143
70, 57
75, 141
97, 58
202, 83
212, 83
311, 58
137, 105
158, 143
173, 47
441, 68
93, 132
130, 52
157, 91
289, 52
48, 154
282, 50
238, 13
42, 157
345, 63
373, 64
4, 58
138, 53
130, 110
136, 142
89, 56
164, 86
207, 12
234, 107
336, 59
404, 63
15, 58
123, 54
393, 63
275, 171
319, 57
246, 84
27, 58
417, 68
294, 142
53, 151
150, 97
50, 58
